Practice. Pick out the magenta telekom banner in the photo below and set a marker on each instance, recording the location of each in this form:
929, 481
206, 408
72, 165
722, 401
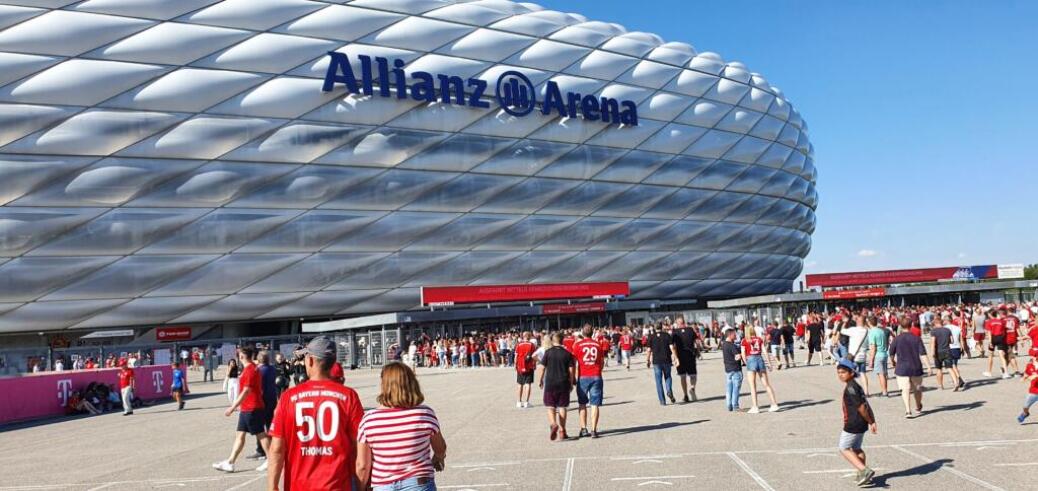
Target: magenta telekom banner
45, 395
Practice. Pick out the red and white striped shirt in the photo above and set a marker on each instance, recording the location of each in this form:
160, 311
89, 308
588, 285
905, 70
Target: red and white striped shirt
400, 443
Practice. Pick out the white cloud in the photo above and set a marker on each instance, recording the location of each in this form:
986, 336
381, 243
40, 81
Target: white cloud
867, 253
810, 264
962, 255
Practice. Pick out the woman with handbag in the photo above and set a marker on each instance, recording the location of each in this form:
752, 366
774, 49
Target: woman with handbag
399, 444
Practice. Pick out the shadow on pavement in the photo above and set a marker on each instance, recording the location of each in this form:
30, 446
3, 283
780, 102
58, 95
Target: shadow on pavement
639, 429
880, 481
954, 407
618, 403
791, 405
982, 382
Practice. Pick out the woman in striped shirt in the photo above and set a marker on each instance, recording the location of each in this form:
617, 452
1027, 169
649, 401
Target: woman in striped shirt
399, 444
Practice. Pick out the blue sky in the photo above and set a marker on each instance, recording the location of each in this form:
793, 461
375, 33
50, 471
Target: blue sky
922, 115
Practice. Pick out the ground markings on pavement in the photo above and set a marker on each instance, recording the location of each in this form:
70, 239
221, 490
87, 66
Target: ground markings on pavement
137, 484
723, 467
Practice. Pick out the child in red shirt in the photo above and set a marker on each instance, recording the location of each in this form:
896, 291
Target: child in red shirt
1031, 377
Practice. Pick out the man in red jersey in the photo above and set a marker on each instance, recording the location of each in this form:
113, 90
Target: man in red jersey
1012, 323
251, 418
568, 342
626, 345
524, 368
997, 327
603, 341
127, 384
590, 359
314, 433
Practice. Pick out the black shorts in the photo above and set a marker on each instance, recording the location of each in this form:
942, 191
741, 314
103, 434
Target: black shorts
251, 422
942, 360
687, 364
814, 347
998, 342
179, 392
524, 378
556, 398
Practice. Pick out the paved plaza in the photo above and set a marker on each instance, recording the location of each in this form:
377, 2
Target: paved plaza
967, 440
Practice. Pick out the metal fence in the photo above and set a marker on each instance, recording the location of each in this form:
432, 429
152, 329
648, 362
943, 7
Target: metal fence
355, 350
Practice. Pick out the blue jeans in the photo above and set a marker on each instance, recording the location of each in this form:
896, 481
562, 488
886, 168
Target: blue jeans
732, 386
408, 485
662, 372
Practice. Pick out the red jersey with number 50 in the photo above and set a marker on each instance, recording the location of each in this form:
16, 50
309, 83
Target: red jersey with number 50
318, 422
589, 357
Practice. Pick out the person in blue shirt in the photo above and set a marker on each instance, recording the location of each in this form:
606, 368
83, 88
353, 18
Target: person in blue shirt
179, 385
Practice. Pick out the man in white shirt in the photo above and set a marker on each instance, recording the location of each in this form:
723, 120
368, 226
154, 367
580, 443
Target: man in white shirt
856, 334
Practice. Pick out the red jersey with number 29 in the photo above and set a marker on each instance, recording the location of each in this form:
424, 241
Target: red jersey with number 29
318, 422
589, 357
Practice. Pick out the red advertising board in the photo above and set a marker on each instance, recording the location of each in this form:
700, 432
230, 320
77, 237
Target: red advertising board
863, 278
45, 395
166, 334
853, 294
450, 295
576, 308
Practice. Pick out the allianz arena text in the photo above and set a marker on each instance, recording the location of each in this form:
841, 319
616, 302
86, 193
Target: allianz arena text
181, 161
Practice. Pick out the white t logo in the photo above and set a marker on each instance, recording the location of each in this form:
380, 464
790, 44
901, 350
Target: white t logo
156, 379
64, 387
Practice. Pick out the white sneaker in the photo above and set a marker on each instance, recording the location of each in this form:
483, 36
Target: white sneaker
774, 408
224, 466
518, 404
754, 410
1006, 376
262, 467
526, 405
986, 374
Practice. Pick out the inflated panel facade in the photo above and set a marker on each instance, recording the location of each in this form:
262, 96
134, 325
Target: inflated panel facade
174, 162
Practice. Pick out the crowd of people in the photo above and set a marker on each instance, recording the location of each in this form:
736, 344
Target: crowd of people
98, 397
858, 342
311, 428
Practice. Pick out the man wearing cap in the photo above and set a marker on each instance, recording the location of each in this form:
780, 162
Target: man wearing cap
314, 433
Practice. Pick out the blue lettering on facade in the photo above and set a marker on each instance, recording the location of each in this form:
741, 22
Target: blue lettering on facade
514, 92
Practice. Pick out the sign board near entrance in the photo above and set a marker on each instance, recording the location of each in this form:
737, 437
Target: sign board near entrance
1010, 271
865, 278
853, 294
167, 334
576, 308
450, 295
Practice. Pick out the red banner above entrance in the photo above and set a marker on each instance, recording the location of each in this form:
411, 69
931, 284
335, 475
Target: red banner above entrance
853, 294
450, 295
576, 308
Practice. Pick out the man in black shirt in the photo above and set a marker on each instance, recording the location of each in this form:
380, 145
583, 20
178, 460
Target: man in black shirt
558, 375
857, 419
685, 343
661, 349
814, 339
788, 339
732, 356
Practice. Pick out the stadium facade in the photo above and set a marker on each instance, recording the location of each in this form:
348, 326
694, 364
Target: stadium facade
167, 162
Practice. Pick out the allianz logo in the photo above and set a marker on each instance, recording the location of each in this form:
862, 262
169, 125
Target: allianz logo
514, 92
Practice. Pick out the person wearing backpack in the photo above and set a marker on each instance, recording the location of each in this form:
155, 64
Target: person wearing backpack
524, 368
